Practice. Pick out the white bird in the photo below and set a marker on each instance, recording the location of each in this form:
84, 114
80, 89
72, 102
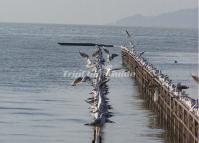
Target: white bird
110, 57
90, 63
98, 100
100, 121
96, 53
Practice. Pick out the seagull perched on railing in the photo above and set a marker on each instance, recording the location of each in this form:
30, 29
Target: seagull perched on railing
180, 87
141, 53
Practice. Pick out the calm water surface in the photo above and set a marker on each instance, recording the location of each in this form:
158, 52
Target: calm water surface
37, 103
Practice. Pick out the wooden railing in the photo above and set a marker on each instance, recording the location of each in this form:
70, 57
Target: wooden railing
170, 109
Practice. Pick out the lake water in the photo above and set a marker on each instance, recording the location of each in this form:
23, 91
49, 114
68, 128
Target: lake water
37, 103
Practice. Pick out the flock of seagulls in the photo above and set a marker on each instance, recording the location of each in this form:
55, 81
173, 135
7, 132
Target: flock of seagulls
99, 103
178, 91
100, 108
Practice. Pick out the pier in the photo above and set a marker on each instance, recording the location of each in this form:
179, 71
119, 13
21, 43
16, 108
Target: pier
176, 116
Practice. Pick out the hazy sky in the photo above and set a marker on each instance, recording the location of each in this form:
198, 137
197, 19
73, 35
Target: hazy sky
84, 11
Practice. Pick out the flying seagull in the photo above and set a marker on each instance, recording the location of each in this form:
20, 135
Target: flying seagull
110, 57
195, 78
90, 63
96, 53
77, 81
84, 55
128, 34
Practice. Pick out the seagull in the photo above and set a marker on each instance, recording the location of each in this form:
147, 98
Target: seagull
89, 62
99, 102
128, 34
86, 79
96, 53
83, 79
84, 55
94, 91
95, 115
77, 81
130, 42
195, 78
100, 121
110, 57
104, 83
140, 54
180, 87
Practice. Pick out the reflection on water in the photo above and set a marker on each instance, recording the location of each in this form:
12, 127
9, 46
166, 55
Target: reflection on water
155, 122
38, 105
97, 135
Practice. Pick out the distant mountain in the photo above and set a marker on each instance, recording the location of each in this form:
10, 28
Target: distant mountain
187, 18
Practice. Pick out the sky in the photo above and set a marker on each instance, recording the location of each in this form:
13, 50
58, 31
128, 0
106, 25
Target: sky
97, 12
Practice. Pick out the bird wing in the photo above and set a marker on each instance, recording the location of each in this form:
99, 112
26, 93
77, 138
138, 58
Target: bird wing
184, 87
96, 52
106, 51
128, 34
86, 79
104, 82
195, 78
84, 55
141, 53
114, 55
76, 81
